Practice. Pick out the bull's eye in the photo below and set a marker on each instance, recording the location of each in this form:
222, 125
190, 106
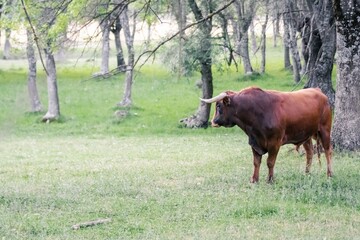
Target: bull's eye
218, 108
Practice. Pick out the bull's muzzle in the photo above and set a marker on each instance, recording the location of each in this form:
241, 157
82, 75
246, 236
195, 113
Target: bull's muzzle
215, 125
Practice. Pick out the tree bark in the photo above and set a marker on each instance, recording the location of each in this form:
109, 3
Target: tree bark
243, 24
129, 39
53, 112
179, 10
263, 42
105, 50
346, 130
275, 22
287, 63
201, 117
322, 48
244, 51
306, 33
291, 22
116, 29
35, 103
253, 37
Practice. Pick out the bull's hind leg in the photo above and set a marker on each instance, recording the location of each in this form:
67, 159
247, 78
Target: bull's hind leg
309, 149
257, 163
325, 141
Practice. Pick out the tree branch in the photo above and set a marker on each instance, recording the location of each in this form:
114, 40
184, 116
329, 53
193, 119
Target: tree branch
91, 223
152, 52
35, 36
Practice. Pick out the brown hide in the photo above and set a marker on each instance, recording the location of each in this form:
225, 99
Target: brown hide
272, 119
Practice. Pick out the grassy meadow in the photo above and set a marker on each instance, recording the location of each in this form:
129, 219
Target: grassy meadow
151, 177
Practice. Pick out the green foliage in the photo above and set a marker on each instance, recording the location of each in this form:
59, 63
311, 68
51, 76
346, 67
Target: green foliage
11, 16
172, 59
59, 28
191, 53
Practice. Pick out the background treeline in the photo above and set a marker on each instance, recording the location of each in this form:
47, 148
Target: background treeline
208, 33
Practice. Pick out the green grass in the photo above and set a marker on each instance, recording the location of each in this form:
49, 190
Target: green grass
154, 179
169, 187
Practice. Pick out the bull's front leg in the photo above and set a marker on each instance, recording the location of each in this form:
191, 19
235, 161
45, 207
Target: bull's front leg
273, 152
257, 163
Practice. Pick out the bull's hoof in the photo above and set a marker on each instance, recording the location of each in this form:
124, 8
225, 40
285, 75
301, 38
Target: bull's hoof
270, 180
254, 180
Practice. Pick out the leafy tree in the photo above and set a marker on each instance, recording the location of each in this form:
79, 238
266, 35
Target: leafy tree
7, 14
11, 8
201, 117
48, 21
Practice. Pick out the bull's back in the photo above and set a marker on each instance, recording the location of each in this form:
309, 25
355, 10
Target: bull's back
303, 112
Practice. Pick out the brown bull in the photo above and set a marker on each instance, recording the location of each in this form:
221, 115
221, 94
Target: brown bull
272, 119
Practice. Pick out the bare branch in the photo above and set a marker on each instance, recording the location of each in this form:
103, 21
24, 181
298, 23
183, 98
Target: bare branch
91, 223
152, 52
35, 36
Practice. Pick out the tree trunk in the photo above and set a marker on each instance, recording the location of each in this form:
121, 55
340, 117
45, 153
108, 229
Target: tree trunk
129, 39
7, 45
306, 33
105, 50
346, 130
243, 24
290, 21
53, 112
263, 42
201, 117
35, 103
295, 55
244, 51
276, 23
322, 47
179, 10
253, 37
287, 63
116, 29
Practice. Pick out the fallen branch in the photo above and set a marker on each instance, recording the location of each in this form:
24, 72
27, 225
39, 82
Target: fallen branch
91, 223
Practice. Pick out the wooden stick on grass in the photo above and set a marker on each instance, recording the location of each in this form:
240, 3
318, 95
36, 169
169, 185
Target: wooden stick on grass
91, 223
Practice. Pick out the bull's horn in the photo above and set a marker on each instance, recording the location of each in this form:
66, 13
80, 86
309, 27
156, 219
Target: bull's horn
215, 99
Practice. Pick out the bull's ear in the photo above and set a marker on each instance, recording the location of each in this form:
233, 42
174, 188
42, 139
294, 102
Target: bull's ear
226, 101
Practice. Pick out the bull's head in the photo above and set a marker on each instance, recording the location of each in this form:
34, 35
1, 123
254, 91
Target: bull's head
222, 115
